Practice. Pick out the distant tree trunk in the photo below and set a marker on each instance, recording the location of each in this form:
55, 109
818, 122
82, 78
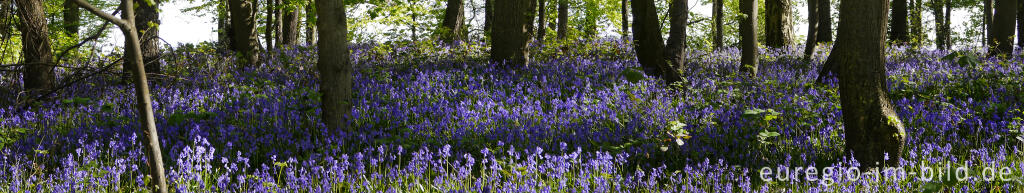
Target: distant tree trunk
147, 22
873, 129
1003, 27
38, 72
533, 13
812, 29
824, 21
625, 19
278, 23
748, 37
898, 29
334, 65
937, 11
675, 50
244, 39
648, 43
451, 27
987, 21
488, 17
223, 25
311, 23
778, 23
946, 30
268, 27
717, 14
72, 17
290, 27
563, 18
917, 31
412, 25
6, 12
541, 20
510, 32
1020, 23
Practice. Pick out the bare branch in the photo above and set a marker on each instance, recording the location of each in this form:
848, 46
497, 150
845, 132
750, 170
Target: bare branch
101, 14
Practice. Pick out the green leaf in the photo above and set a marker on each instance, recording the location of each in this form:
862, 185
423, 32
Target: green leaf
632, 75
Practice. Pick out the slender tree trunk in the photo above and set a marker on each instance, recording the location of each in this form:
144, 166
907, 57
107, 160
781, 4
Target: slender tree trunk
38, 72
488, 17
778, 23
648, 43
1003, 27
334, 65
717, 14
290, 27
824, 21
268, 27
244, 25
937, 11
453, 21
147, 21
812, 29
6, 12
1020, 23
625, 19
917, 31
873, 129
542, 18
987, 21
412, 25
748, 37
72, 18
511, 32
533, 12
946, 30
223, 24
898, 27
563, 18
278, 23
675, 50
311, 14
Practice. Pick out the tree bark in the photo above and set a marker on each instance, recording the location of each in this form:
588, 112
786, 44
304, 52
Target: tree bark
563, 18
488, 17
451, 27
648, 44
873, 129
278, 23
748, 37
268, 27
38, 72
717, 17
1020, 23
334, 65
1003, 28
147, 22
290, 27
510, 32
937, 11
812, 29
946, 30
542, 18
824, 21
898, 29
987, 21
675, 50
917, 31
72, 18
244, 25
778, 23
311, 33
625, 19
6, 12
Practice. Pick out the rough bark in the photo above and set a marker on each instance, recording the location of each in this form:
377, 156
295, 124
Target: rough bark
451, 26
625, 19
648, 43
812, 29
290, 27
939, 14
334, 65
675, 50
748, 37
38, 74
563, 18
72, 17
873, 129
898, 25
147, 22
542, 29
511, 32
778, 23
244, 27
1003, 21
824, 21
717, 17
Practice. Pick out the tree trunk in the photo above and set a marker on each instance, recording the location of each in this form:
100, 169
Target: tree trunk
38, 72
510, 32
533, 13
812, 29
937, 11
311, 23
625, 19
72, 18
147, 22
1020, 23
290, 27
917, 31
542, 29
563, 18
778, 23
5, 27
675, 50
873, 129
987, 21
824, 21
717, 14
244, 25
898, 27
748, 37
223, 25
451, 27
268, 27
946, 30
412, 25
278, 23
648, 43
334, 65
1003, 21
488, 17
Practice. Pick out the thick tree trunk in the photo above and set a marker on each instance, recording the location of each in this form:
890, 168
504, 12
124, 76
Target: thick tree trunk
1003, 21
812, 29
542, 29
778, 23
511, 32
824, 21
675, 50
290, 27
625, 19
717, 14
38, 72
748, 37
451, 27
937, 11
334, 65
72, 17
873, 129
147, 22
648, 43
563, 18
898, 29
244, 25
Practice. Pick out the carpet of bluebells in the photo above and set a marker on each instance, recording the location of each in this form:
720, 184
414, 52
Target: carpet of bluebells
444, 119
